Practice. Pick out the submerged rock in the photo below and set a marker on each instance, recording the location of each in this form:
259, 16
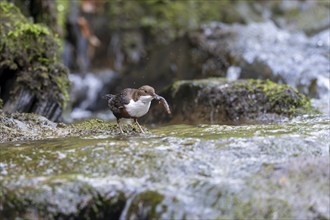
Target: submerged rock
32, 79
216, 100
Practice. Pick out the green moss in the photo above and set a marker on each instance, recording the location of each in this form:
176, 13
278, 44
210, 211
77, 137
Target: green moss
25, 28
97, 126
280, 98
10, 8
93, 124
31, 52
283, 98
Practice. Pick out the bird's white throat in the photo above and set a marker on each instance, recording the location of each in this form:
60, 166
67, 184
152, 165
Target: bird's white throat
140, 107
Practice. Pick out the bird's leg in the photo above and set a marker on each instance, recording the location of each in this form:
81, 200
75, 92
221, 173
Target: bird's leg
119, 125
136, 122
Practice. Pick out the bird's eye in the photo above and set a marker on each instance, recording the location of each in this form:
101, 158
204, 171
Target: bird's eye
145, 91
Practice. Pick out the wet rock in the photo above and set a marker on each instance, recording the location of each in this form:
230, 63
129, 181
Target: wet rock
263, 51
32, 79
216, 100
27, 126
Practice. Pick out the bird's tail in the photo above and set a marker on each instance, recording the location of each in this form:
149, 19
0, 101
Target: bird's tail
108, 96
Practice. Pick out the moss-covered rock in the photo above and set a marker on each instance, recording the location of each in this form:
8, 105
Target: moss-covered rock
31, 75
27, 126
216, 100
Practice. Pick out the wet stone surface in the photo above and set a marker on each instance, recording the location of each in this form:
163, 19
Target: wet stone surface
273, 170
26, 126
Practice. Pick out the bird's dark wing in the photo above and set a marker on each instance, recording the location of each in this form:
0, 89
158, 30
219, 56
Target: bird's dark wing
125, 96
117, 102
108, 96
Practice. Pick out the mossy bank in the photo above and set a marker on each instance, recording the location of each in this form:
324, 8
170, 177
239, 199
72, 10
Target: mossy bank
32, 78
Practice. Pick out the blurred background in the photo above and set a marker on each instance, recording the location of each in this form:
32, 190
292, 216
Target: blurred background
109, 45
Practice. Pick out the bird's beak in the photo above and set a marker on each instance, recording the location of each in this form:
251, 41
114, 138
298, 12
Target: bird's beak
157, 97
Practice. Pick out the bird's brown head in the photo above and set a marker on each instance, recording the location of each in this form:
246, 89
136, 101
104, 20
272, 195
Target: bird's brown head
148, 90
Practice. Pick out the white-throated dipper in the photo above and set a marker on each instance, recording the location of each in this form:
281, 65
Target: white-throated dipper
133, 103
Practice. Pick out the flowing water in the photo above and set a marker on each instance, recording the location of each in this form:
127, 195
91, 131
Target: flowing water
271, 170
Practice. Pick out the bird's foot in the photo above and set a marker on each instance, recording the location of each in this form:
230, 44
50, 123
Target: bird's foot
137, 123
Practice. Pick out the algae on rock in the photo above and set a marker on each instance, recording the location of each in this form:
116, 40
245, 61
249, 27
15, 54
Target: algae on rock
216, 100
27, 126
32, 77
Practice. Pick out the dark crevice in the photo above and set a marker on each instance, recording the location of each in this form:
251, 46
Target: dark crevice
33, 103
7, 80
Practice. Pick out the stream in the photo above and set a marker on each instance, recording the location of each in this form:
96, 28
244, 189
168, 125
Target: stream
271, 170
252, 148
